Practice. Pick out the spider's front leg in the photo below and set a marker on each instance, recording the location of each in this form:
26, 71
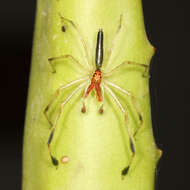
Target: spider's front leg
114, 40
78, 32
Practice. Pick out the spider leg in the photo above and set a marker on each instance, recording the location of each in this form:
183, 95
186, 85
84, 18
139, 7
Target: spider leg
129, 63
128, 93
114, 39
56, 94
86, 92
52, 59
80, 36
54, 160
101, 110
83, 109
131, 137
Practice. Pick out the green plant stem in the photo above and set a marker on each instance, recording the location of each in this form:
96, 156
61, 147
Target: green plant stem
97, 145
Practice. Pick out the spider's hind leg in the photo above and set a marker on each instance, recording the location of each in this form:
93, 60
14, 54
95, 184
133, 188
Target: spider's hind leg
54, 159
125, 171
128, 93
56, 95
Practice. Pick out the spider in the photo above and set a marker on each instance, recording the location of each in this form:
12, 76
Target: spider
99, 82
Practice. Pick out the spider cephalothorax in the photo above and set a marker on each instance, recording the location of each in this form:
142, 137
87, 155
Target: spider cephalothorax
95, 84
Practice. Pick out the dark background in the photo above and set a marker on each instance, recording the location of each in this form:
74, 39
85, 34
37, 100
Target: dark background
165, 25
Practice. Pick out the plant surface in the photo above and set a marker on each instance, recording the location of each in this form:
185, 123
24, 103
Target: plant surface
96, 145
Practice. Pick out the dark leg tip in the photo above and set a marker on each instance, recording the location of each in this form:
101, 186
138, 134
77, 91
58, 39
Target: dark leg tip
46, 109
83, 109
54, 161
101, 111
140, 118
125, 171
63, 28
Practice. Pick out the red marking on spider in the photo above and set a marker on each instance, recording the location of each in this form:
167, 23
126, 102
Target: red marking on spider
95, 83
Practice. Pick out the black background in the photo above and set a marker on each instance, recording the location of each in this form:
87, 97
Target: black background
165, 25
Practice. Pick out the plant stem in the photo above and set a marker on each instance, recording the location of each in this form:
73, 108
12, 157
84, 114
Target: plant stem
97, 145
